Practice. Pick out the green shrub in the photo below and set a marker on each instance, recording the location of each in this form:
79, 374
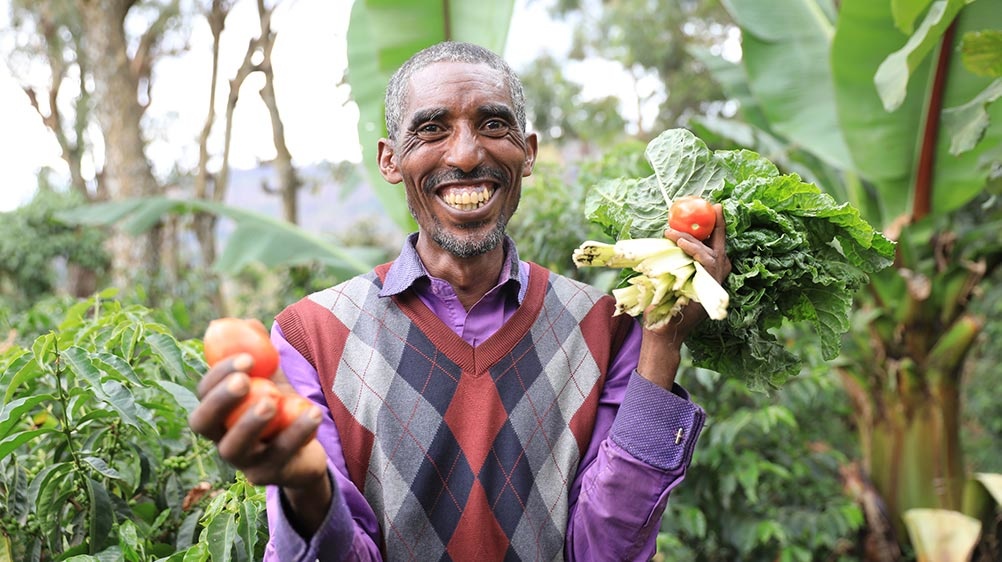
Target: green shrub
35, 248
96, 457
764, 484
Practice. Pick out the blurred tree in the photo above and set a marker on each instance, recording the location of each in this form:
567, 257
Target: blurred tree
651, 41
557, 110
87, 40
100, 57
38, 252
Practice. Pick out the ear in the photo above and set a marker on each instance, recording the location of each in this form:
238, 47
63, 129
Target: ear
530, 154
387, 162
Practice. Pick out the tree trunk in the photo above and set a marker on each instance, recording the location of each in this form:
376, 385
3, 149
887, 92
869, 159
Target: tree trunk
207, 186
127, 172
907, 412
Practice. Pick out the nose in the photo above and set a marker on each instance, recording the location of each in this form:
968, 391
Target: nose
464, 150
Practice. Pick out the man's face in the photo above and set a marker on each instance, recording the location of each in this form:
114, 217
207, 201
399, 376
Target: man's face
461, 156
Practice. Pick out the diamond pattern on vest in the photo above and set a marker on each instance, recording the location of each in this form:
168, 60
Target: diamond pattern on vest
466, 466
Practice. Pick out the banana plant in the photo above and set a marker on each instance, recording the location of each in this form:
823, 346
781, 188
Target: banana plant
892, 104
381, 36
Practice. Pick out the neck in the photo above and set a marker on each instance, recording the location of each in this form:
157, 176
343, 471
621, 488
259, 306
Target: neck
470, 278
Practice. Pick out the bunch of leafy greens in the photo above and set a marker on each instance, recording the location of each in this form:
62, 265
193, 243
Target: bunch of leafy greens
797, 255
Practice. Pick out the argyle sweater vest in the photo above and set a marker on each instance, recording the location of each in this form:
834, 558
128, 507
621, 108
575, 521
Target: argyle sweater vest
464, 453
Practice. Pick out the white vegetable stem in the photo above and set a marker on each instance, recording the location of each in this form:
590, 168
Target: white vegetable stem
667, 279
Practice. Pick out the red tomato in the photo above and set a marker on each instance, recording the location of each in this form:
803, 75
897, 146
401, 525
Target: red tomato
693, 215
228, 336
259, 390
293, 405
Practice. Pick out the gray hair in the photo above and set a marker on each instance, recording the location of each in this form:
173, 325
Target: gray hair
448, 51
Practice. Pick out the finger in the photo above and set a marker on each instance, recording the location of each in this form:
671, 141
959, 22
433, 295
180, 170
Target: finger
300, 431
718, 240
719, 235
699, 252
241, 362
207, 419
241, 444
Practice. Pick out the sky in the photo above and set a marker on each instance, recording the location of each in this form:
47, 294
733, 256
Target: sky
310, 100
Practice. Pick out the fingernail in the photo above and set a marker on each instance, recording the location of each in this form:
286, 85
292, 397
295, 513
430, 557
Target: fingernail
243, 362
315, 415
237, 384
264, 408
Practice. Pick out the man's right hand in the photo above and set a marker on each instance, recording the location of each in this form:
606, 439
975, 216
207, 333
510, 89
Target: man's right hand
292, 459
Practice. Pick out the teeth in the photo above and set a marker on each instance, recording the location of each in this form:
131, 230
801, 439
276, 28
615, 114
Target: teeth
468, 200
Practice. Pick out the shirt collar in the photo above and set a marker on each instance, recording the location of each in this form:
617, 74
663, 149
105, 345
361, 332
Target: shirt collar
408, 269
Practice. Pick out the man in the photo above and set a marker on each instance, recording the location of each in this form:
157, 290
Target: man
470, 405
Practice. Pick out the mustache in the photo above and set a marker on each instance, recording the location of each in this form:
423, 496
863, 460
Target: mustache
479, 174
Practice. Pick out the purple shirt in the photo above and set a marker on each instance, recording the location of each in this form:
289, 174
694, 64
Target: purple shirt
642, 442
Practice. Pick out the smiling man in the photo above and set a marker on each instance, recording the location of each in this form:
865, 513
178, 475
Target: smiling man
469, 405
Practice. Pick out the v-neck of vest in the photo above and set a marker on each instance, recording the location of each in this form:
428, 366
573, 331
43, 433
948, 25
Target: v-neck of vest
475, 360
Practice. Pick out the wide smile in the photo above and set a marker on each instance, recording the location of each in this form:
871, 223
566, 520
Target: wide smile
466, 198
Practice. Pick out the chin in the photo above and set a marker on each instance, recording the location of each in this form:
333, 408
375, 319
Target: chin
468, 247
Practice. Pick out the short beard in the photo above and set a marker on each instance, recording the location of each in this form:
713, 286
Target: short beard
468, 247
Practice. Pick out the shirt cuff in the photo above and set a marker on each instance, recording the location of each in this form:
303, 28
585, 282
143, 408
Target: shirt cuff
657, 426
333, 539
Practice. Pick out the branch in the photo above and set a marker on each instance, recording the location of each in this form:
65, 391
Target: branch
288, 180
246, 68
141, 64
217, 22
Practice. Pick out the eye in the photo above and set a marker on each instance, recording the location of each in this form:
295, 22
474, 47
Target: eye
429, 129
496, 127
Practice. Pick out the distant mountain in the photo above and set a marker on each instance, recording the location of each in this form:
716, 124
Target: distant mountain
334, 200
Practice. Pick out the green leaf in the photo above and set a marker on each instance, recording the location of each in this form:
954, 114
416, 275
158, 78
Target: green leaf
166, 350
100, 517
12, 442
892, 75
966, 124
102, 468
906, 12
182, 395
16, 411
128, 336
221, 533
116, 367
128, 541
5, 551
47, 484
15, 502
748, 478
683, 166
256, 238
121, 399
885, 146
20, 371
79, 362
247, 527
197, 553
42, 349
981, 52
785, 44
